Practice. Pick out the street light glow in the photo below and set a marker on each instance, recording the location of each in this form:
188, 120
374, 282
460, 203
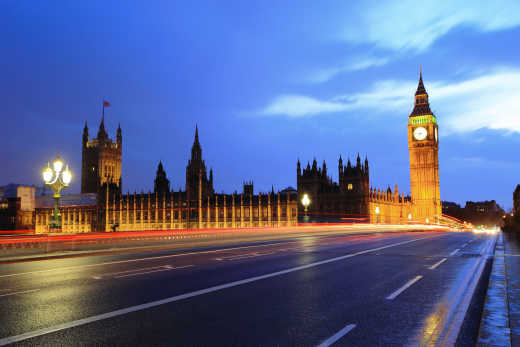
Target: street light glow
57, 164
47, 173
306, 201
67, 176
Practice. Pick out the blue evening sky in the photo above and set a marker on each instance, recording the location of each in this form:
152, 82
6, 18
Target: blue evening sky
267, 82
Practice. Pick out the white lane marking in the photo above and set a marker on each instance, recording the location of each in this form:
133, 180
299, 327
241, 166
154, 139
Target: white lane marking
165, 268
244, 256
16, 338
337, 336
22, 292
464, 245
140, 259
403, 288
454, 252
434, 266
127, 271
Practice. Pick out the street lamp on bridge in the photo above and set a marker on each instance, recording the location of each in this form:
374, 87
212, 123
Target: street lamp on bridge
305, 202
57, 179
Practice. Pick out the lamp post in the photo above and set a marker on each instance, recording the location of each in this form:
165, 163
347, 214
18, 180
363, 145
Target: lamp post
57, 179
377, 214
305, 202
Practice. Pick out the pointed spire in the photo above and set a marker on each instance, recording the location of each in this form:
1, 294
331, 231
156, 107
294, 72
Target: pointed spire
422, 106
420, 87
85, 134
119, 136
196, 151
102, 134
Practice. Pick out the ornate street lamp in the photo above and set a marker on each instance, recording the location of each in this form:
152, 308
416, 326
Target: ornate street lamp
57, 179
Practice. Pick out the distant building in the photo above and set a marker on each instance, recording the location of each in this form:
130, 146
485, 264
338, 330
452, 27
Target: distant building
452, 209
487, 213
17, 203
516, 201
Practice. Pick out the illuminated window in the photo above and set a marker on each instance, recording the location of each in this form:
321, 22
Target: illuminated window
349, 186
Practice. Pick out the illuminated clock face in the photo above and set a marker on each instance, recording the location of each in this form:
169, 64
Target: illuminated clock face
420, 133
436, 136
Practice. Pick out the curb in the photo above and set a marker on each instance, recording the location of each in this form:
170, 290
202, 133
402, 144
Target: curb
494, 326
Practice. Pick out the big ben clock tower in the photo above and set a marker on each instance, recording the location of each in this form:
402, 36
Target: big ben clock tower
423, 145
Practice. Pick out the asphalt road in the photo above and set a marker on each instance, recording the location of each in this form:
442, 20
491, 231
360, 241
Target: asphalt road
360, 290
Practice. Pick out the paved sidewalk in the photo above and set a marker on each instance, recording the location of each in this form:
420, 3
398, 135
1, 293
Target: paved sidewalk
500, 325
512, 261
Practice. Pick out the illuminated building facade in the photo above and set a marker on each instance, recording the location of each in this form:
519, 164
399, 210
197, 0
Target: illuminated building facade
101, 160
423, 145
197, 207
351, 198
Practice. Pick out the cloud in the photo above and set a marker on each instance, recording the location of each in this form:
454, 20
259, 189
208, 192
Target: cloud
361, 63
298, 105
423, 22
486, 101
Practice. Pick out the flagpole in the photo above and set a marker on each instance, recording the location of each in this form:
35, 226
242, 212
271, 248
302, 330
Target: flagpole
103, 108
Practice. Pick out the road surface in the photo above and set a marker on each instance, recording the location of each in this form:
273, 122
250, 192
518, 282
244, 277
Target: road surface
375, 289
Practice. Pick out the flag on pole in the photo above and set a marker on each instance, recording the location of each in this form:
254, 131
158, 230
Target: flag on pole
106, 103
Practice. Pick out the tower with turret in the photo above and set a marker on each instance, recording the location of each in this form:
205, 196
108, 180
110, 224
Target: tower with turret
196, 174
423, 146
101, 160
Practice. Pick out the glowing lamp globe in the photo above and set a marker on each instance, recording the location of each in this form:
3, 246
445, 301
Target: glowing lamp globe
305, 200
67, 176
57, 164
47, 174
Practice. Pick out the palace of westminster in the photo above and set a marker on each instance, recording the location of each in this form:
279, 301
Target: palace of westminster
102, 206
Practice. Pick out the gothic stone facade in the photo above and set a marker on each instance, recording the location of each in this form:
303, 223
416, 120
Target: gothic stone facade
101, 160
352, 198
197, 207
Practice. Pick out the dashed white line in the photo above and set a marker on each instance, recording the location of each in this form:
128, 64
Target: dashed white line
21, 337
434, 266
454, 252
403, 288
337, 336
22, 292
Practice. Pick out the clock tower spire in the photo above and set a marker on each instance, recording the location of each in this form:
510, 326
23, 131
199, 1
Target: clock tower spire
423, 146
